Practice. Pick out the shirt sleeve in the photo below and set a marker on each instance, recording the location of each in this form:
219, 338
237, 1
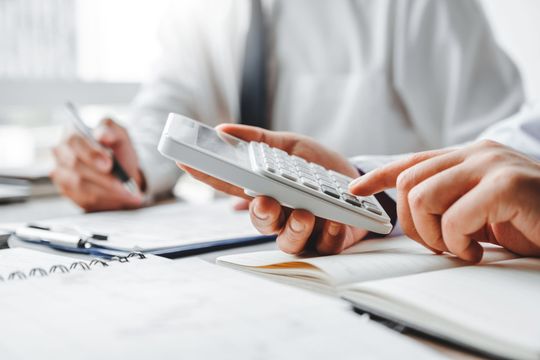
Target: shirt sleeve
450, 75
169, 88
520, 132
195, 75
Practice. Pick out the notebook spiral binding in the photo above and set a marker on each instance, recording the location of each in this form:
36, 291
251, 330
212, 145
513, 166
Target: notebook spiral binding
75, 266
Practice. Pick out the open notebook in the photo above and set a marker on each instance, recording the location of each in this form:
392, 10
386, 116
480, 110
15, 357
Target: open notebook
188, 309
492, 307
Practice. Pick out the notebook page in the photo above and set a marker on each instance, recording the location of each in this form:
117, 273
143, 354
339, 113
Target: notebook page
368, 260
499, 300
183, 310
164, 226
273, 257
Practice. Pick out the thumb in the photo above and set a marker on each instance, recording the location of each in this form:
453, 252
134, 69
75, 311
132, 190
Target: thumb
253, 133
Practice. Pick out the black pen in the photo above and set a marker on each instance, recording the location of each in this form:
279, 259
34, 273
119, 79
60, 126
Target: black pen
117, 169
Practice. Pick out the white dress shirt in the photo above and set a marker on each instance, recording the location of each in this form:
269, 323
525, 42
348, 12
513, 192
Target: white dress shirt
359, 76
521, 131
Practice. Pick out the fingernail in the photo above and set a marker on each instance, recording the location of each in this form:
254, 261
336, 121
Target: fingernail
333, 229
259, 214
296, 225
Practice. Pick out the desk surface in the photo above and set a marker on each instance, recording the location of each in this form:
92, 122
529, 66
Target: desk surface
49, 207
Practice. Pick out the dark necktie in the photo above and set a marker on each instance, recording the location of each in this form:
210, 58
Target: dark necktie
253, 110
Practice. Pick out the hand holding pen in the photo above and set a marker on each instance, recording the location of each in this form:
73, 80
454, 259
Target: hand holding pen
98, 169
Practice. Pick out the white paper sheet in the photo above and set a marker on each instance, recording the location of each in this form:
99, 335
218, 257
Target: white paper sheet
492, 306
164, 226
184, 310
366, 261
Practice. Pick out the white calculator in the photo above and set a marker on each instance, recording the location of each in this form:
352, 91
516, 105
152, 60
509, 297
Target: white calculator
262, 170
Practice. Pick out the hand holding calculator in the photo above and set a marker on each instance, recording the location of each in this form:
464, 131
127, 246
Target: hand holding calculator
262, 170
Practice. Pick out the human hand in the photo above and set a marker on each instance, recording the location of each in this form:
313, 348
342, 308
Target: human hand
450, 200
83, 170
295, 228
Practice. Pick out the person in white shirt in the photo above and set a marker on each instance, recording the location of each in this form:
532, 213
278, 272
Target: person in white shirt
449, 200
360, 77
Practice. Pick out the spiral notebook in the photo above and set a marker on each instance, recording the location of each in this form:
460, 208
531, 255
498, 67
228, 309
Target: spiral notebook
154, 308
23, 264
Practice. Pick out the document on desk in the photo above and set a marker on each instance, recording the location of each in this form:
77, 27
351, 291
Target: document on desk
166, 228
186, 309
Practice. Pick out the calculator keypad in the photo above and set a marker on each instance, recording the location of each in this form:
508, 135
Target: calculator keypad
296, 171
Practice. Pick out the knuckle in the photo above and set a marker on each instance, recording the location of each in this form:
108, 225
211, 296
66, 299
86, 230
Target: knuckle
493, 157
288, 245
488, 144
506, 180
419, 157
417, 199
405, 181
409, 229
449, 223
406, 222
330, 246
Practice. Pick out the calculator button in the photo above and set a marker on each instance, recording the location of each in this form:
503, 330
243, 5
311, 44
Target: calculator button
330, 191
304, 168
371, 207
288, 175
270, 160
338, 176
288, 164
318, 168
351, 199
326, 183
307, 175
324, 175
300, 161
289, 169
280, 153
309, 183
343, 183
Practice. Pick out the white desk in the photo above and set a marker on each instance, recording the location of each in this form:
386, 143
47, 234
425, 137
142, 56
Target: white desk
39, 209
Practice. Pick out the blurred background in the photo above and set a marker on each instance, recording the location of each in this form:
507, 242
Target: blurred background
96, 53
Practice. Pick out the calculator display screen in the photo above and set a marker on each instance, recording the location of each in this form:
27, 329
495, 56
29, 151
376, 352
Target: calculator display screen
207, 139
223, 145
